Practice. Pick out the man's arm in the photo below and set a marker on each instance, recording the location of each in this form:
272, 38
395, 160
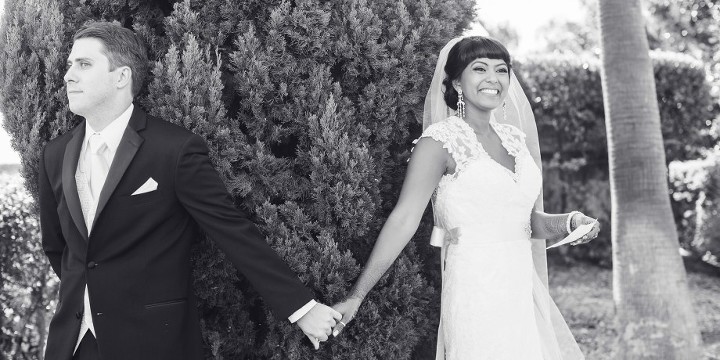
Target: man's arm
52, 237
203, 194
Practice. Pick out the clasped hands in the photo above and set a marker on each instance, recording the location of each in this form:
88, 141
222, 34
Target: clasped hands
318, 323
322, 320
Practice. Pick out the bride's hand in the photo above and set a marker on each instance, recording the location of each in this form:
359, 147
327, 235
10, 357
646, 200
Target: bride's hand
348, 308
582, 219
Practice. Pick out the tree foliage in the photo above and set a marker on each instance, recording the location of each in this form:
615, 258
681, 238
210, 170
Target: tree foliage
688, 26
691, 27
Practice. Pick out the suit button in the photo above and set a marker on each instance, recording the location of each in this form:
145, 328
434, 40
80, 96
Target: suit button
92, 265
78, 315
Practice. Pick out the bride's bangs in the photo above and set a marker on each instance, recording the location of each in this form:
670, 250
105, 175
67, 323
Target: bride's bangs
481, 47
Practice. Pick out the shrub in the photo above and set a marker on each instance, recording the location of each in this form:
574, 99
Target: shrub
695, 190
28, 285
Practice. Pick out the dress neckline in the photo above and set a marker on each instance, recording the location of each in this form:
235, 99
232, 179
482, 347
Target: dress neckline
495, 126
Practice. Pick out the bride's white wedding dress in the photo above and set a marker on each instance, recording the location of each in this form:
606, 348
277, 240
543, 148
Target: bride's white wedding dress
494, 306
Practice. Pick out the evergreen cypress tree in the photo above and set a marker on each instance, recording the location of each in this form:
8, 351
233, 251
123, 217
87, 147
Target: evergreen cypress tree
32, 98
309, 109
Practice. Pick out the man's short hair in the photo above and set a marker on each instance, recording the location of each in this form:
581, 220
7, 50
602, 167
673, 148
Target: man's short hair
122, 47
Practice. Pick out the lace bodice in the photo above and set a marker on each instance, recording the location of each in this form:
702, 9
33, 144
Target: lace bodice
482, 194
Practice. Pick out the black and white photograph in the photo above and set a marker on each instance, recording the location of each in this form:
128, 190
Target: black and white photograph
360, 179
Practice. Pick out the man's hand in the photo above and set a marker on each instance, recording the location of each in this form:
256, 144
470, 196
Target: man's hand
317, 324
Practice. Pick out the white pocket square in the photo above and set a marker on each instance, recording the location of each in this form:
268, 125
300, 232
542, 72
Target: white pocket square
148, 186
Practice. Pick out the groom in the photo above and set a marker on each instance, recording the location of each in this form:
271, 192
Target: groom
122, 198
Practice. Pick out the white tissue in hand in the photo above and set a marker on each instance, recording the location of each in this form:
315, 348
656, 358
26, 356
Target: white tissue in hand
575, 235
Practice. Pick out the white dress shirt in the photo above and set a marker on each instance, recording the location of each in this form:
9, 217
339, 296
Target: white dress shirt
112, 135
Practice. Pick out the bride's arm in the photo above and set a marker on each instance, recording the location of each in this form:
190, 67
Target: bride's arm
548, 226
428, 163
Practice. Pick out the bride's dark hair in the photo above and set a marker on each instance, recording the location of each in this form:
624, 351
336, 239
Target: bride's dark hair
462, 54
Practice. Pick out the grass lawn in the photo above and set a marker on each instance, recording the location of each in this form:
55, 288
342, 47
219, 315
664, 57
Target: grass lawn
584, 295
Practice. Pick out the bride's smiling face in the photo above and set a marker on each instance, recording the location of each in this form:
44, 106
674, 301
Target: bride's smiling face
484, 83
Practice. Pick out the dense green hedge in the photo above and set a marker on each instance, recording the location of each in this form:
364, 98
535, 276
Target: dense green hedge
566, 95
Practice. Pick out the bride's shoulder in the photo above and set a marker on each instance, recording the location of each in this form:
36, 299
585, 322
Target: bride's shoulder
444, 133
444, 130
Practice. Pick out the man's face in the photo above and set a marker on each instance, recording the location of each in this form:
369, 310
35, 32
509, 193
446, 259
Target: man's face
88, 80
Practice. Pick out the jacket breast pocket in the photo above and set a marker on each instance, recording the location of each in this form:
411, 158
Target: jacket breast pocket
144, 199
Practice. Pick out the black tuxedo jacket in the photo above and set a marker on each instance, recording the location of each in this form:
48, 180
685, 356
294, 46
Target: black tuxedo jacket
136, 259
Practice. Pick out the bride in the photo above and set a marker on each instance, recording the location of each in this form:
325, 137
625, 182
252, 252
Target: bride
484, 182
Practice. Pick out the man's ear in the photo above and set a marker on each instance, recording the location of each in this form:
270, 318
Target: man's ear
124, 77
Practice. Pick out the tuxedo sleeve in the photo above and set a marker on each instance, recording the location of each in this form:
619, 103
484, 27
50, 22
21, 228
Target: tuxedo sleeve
53, 241
203, 194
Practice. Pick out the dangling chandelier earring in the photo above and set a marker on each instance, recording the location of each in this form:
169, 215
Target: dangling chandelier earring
460, 105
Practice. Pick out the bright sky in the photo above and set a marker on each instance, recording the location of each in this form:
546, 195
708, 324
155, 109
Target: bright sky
526, 16
7, 155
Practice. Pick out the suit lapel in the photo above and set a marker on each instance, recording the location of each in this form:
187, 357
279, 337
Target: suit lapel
124, 155
70, 163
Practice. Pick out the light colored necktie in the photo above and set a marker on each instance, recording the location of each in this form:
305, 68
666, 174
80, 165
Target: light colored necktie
98, 165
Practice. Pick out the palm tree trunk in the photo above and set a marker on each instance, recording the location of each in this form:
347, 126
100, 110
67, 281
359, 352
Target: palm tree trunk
654, 308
